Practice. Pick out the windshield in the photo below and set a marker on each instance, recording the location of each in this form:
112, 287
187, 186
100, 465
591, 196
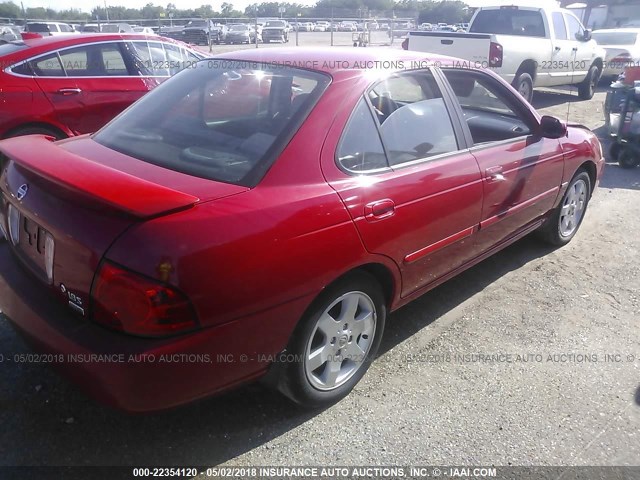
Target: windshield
509, 21
197, 23
274, 24
238, 28
615, 38
110, 28
222, 120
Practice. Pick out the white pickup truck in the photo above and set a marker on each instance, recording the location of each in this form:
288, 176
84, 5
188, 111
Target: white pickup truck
527, 46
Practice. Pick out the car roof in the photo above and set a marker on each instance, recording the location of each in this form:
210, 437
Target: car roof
57, 41
618, 30
336, 60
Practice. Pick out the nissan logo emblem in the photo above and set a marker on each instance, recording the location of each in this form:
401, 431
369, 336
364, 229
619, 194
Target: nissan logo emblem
22, 191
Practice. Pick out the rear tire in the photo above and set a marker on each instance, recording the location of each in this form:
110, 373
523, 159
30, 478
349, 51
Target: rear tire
335, 342
523, 83
587, 88
566, 218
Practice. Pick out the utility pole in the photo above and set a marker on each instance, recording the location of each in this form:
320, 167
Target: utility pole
106, 10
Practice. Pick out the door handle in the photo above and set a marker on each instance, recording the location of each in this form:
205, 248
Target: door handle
557, 49
494, 174
69, 91
379, 210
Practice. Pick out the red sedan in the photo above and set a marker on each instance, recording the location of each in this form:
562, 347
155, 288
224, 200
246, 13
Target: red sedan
189, 247
74, 84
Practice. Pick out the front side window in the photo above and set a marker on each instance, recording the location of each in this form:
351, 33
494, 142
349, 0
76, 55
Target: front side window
559, 26
414, 121
576, 30
490, 113
220, 122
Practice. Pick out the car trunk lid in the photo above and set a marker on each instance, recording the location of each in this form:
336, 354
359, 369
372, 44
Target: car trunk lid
83, 204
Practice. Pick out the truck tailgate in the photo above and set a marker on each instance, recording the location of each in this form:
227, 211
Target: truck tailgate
472, 47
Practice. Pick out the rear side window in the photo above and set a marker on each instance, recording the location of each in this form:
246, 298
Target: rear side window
360, 148
509, 21
414, 121
220, 122
48, 66
559, 26
93, 61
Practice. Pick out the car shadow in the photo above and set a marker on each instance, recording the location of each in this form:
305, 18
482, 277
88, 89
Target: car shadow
60, 426
550, 97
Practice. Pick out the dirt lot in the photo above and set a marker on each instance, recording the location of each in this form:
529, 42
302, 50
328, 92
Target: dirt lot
428, 398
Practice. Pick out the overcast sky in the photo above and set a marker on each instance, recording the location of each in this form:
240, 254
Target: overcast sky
238, 4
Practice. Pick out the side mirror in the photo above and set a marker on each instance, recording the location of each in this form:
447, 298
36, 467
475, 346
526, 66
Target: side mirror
586, 36
552, 127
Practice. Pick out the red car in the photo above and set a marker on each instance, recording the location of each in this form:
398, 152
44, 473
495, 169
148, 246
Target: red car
74, 84
185, 249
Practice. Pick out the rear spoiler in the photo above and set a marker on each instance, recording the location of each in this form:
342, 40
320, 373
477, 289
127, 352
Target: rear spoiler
92, 182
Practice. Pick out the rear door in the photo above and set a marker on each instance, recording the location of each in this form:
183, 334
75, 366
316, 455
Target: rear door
521, 172
413, 192
89, 84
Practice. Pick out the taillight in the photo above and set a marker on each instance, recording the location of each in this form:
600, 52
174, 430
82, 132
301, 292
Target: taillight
135, 304
495, 55
622, 58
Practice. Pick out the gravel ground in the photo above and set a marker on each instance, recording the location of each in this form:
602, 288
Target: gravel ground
422, 402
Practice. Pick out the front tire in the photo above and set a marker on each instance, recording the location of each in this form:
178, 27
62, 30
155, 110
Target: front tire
587, 88
335, 342
567, 217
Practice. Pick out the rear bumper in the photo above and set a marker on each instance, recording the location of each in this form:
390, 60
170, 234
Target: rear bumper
137, 374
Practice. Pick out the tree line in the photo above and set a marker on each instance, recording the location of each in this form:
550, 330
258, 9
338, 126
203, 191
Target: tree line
426, 10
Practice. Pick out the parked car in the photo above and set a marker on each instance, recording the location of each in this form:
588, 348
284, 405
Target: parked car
90, 28
199, 30
116, 28
427, 27
250, 219
529, 46
9, 33
241, 33
322, 26
275, 31
348, 26
306, 27
622, 47
63, 86
49, 28
144, 30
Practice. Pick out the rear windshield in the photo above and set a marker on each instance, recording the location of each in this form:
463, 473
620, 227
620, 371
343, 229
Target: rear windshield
37, 27
274, 24
10, 47
615, 38
238, 28
111, 28
509, 21
223, 120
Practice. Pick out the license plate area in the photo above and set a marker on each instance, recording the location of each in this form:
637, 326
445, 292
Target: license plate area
32, 243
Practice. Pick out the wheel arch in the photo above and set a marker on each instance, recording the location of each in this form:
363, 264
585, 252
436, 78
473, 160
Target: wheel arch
589, 167
528, 66
60, 133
